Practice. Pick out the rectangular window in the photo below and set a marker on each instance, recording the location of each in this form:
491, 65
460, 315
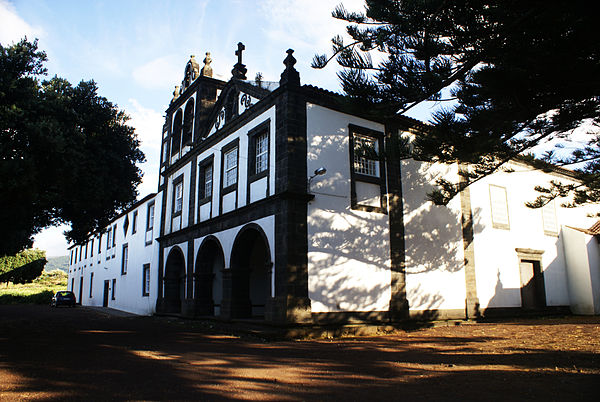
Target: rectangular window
205, 180
71, 260
230, 172
258, 151
549, 219
499, 206
92, 248
208, 179
146, 280
365, 156
99, 243
134, 223
91, 283
150, 217
124, 260
80, 253
114, 236
113, 290
86, 250
261, 151
178, 198
367, 170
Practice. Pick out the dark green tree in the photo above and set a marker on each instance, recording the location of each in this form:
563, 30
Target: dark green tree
66, 153
518, 73
23, 267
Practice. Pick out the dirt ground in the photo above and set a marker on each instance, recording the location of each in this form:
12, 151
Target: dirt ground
82, 354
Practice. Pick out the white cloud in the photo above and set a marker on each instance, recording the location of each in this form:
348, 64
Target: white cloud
160, 73
52, 240
148, 126
307, 24
13, 28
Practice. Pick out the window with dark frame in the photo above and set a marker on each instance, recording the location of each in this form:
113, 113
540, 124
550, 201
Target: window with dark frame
150, 217
91, 283
124, 259
367, 166
109, 239
258, 151
205, 180
113, 289
134, 223
99, 243
114, 236
230, 172
178, 196
92, 249
146, 280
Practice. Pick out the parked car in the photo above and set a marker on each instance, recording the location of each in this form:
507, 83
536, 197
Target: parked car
63, 298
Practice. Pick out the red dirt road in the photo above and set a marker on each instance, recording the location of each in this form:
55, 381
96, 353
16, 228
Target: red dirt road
81, 354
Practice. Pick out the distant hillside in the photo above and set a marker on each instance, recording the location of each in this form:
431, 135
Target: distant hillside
61, 263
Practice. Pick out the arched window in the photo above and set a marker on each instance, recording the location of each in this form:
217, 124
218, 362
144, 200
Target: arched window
176, 135
188, 123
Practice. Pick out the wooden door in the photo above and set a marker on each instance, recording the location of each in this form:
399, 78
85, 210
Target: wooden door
533, 292
105, 299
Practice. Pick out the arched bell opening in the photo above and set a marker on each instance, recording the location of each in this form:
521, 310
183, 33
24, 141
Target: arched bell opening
176, 133
174, 281
208, 277
188, 123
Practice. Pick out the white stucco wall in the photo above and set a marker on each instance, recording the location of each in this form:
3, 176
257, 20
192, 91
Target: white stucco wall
435, 277
583, 271
129, 286
348, 250
496, 261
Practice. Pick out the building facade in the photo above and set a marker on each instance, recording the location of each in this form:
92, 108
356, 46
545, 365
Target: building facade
267, 207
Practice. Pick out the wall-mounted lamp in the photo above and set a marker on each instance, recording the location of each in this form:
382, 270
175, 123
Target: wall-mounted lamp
318, 172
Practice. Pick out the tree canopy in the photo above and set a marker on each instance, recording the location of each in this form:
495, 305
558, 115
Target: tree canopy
517, 73
66, 153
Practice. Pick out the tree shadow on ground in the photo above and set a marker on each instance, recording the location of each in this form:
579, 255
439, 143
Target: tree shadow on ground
79, 354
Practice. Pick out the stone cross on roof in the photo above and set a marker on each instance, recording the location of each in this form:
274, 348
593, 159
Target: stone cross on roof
239, 69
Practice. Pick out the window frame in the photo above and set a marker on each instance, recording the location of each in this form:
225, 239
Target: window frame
176, 182
358, 177
253, 135
202, 166
227, 149
150, 219
146, 280
113, 287
124, 258
499, 225
134, 222
91, 283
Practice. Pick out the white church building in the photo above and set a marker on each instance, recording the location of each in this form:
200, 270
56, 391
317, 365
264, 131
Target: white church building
264, 210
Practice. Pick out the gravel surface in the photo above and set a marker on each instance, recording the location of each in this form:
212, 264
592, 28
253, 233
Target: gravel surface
85, 354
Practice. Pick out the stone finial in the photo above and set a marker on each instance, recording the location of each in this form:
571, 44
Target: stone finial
207, 69
176, 93
290, 75
239, 69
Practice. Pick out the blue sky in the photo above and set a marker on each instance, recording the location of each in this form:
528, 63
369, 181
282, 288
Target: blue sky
136, 51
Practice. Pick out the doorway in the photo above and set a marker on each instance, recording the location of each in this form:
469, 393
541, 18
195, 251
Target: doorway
533, 292
105, 298
80, 289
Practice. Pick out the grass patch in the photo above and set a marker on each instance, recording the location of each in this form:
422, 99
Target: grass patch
40, 291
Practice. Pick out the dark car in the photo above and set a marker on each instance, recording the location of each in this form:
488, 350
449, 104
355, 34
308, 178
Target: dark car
63, 298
